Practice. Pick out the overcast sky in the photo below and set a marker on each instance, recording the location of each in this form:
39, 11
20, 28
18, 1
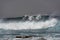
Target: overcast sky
16, 8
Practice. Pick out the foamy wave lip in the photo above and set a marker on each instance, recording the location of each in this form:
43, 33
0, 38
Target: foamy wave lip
29, 24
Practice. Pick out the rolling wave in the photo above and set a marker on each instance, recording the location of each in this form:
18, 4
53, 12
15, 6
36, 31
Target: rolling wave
19, 25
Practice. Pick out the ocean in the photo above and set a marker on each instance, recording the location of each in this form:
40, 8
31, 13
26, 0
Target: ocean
39, 29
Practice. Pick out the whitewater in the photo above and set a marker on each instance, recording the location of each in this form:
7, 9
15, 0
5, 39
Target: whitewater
28, 24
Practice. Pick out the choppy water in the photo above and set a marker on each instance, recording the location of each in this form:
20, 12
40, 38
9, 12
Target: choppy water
48, 29
33, 38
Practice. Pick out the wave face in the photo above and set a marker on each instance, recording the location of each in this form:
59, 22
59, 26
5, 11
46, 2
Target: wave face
29, 24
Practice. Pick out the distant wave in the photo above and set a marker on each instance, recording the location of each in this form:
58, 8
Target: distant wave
28, 24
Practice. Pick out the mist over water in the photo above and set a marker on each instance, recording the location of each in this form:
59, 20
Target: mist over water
29, 24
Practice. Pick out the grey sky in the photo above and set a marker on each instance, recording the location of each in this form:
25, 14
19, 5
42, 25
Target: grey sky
15, 8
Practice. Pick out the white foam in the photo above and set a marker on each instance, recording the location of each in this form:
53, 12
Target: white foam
29, 24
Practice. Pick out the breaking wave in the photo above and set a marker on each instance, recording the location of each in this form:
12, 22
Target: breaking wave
28, 24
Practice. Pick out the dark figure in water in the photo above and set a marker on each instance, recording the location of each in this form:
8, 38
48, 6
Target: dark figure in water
23, 36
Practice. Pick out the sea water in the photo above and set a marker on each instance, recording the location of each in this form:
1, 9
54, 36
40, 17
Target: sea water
48, 29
